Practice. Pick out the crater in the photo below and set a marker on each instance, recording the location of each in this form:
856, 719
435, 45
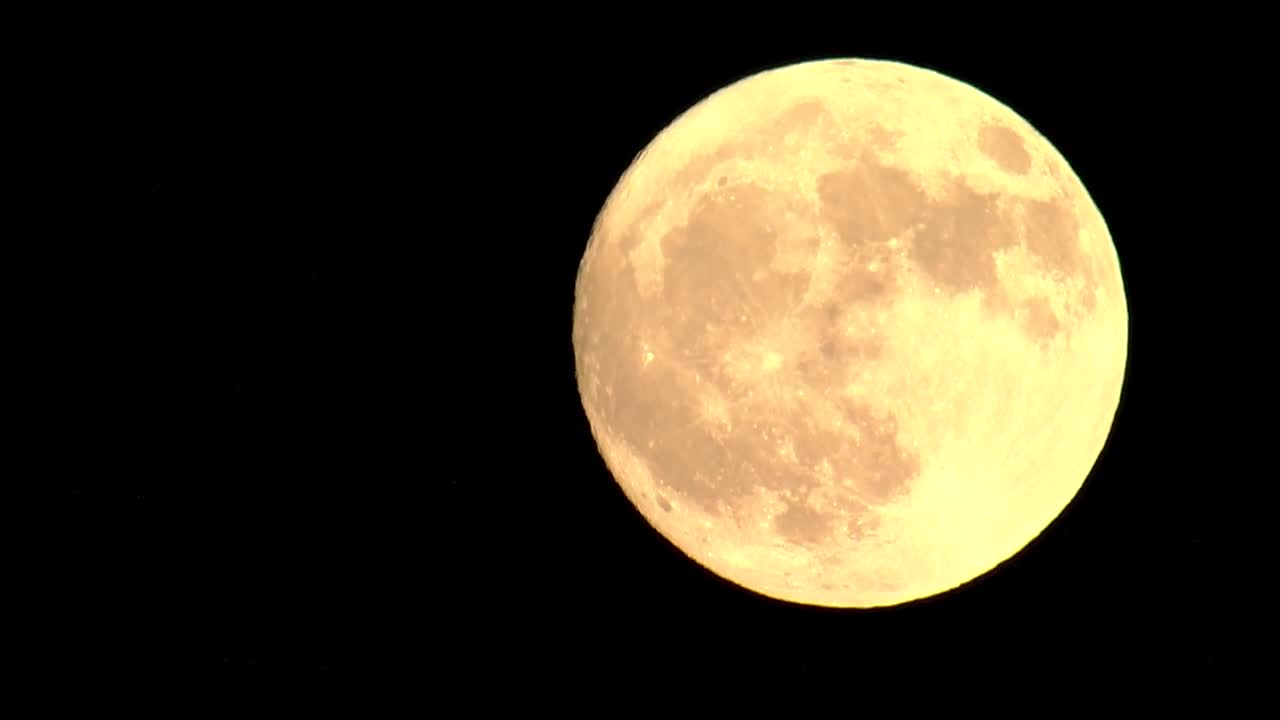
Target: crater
610, 294
956, 241
799, 118
764, 447
882, 138
721, 286
802, 525
1039, 320
952, 241
1053, 235
720, 276
1004, 146
868, 463
859, 283
655, 411
836, 354
881, 468
870, 203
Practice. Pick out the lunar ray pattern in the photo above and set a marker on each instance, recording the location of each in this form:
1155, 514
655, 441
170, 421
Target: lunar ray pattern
850, 333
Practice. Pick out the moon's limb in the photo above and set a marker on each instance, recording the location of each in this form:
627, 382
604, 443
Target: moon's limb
850, 353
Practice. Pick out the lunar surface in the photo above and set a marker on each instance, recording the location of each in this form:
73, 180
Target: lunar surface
850, 333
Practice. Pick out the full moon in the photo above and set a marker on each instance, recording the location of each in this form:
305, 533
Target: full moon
850, 333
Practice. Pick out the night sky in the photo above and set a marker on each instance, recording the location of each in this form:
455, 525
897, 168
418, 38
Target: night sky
317, 409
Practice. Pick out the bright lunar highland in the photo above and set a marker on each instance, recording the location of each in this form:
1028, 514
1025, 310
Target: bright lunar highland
850, 333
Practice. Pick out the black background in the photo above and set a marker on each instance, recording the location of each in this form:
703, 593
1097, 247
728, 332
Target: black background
321, 381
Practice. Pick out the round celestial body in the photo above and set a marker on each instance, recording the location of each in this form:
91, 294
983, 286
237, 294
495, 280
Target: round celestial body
850, 333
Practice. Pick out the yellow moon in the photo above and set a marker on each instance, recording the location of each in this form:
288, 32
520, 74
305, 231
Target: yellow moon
850, 333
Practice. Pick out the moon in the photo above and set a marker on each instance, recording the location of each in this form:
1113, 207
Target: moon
850, 333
